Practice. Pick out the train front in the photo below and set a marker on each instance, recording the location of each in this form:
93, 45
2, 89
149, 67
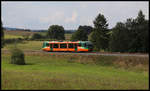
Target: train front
89, 46
85, 46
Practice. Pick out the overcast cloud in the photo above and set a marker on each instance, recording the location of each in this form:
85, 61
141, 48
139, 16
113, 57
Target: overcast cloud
40, 15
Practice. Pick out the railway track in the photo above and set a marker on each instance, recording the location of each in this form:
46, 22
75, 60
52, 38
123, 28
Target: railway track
82, 53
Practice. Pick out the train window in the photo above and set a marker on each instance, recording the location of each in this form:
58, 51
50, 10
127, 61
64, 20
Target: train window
75, 45
47, 44
79, 44
51, 45
70, 45
90, 45
55, 46
84, 44
63, 45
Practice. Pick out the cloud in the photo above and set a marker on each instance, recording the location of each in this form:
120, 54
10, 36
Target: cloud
53, 17
83, 5
36, 15
72, 19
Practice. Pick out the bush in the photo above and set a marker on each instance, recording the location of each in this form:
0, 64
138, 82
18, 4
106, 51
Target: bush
37, 36
11, 41
17, 56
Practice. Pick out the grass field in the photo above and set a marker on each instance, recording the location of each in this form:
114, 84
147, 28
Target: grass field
26, 45
49, 71
12, 36
17, 32
53, 72
21, 34
68, 36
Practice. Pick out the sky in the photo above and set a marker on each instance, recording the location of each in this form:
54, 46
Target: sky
42, 14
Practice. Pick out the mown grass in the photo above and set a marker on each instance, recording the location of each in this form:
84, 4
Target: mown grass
25, 45
68, 36
12, 36
45, 71
22, 34
18, 33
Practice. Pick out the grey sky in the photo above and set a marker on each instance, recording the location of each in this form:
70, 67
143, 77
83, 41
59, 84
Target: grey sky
40, 15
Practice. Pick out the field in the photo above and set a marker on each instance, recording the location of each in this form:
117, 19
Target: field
25, 45
21, 34
16, 34
50, 71
59, 72
68, 36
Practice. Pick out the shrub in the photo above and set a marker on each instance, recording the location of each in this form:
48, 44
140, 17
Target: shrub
36, 36
11, 41
17, 56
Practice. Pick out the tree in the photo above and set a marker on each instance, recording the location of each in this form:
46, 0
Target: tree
100, 37
140, 18
56, 32
82, 33
28, 30
131, 36
145, 37
120, 38
36, 36
142, 35
2, 35
139, 34
26, 36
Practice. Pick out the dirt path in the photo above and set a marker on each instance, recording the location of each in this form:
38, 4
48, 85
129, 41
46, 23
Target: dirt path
82, 53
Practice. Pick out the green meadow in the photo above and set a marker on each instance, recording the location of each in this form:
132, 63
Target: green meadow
48, 71
77, 72
12, 36
25, 45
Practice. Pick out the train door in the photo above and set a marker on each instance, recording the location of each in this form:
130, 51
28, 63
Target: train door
71, 47
63, 47
51, 47
76, 47
56, 47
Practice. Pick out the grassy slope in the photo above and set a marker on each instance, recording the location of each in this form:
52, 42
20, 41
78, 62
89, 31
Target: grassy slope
50, 72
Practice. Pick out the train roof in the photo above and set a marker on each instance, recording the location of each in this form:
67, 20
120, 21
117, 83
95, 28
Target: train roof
68, 42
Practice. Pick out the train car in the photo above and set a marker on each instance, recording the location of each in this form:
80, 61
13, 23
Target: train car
75, 46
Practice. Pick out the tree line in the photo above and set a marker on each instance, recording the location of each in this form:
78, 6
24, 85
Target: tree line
129, 36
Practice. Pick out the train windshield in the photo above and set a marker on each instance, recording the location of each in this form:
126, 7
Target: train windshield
89, 45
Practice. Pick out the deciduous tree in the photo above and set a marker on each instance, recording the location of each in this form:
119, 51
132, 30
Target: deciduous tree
56, 32
82, 33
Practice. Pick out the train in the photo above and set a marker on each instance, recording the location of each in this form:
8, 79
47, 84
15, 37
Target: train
72, 46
